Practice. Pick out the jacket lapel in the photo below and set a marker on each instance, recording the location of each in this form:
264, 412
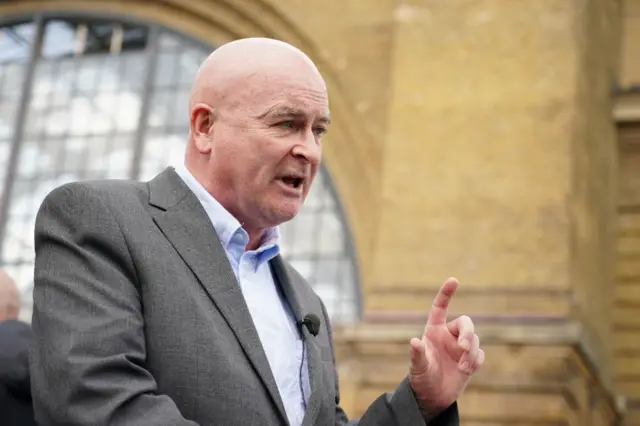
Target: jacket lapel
184, 222
300, 307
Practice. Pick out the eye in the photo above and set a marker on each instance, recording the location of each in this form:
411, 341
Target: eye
288, 123
319, 131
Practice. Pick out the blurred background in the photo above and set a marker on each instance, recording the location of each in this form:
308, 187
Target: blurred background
497, 141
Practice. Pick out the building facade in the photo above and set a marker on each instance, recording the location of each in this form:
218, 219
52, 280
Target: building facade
495, 141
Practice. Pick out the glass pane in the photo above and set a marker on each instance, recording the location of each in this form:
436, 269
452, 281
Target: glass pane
8, 111
162, 109
162, 149
190, 61
80, 124
59, 39
15, 42
11, 78
66, 37
5, 150
169, 41
166, 69
132, 72
15, 47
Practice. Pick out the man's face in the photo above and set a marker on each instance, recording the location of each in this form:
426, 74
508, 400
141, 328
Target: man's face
266, 148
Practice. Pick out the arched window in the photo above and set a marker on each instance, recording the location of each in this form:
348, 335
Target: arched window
87, 98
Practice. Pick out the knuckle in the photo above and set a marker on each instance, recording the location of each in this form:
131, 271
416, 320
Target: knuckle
466, 324
475, 344
466, 319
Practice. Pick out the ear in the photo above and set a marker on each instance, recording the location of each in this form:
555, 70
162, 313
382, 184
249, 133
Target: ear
202, 121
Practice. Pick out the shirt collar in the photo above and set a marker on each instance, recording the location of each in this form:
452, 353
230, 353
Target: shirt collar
225, 224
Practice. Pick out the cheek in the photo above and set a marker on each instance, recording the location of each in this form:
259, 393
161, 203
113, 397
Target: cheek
255, 172
311, 181
267, 156
253, 158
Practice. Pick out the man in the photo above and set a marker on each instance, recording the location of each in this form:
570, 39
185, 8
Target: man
15, 338
167, 302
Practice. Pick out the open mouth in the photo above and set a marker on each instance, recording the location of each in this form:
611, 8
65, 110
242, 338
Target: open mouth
294, 182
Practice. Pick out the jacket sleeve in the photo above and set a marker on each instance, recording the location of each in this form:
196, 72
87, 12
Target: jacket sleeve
398, 408
87, 357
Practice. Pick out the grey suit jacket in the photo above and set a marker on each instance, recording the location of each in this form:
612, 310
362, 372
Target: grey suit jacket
138, 320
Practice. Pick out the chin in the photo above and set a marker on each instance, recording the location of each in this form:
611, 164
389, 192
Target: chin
283, 213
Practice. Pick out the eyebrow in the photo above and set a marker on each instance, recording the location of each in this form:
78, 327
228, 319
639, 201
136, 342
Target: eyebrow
285, 111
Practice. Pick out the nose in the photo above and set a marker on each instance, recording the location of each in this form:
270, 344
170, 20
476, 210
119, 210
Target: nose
309, 149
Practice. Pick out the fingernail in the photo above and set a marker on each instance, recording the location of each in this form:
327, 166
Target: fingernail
464, 344
464, 366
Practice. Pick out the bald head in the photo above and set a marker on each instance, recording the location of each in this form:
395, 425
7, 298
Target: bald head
258, 110
9, 297
243, 65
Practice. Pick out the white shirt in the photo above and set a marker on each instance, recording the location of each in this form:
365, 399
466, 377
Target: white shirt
271, 315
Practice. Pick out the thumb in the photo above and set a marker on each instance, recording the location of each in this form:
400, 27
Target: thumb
419, 362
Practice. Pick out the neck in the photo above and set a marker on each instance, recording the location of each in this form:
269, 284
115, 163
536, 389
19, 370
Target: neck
256, 234
255, 238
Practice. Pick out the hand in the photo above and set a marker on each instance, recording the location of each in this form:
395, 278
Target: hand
446, 357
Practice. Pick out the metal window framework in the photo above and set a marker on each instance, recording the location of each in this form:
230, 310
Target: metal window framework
151, 53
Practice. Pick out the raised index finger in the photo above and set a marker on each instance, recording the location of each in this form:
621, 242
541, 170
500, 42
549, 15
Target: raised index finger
438, 312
